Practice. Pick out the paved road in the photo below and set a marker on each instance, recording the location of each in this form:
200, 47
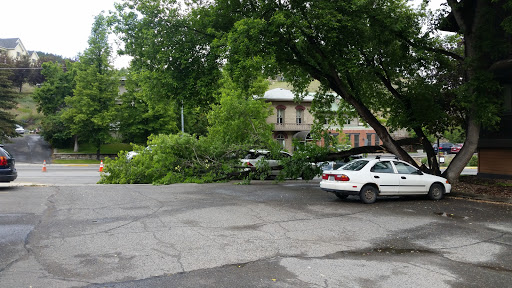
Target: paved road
262, 235
29, 148
57, 174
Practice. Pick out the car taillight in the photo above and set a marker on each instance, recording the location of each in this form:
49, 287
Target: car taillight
3, 161
341, 177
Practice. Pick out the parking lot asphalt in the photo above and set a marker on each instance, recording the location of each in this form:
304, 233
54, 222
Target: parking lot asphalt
290, 234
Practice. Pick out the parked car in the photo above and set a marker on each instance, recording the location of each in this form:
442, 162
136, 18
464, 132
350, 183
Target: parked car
444, 147
456, 148
131, 154
253, 156
372, 177
19, 129
8, 171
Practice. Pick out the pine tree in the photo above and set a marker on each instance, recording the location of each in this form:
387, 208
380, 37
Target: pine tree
7, 101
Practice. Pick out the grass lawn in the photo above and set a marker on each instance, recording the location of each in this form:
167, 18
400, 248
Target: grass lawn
87, 148
26, 112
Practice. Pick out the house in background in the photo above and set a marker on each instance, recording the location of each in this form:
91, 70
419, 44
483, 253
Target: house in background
291, 120
294, 121
15, 49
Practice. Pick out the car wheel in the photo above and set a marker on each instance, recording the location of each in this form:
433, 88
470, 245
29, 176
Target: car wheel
368, 194
436, 192
340, 195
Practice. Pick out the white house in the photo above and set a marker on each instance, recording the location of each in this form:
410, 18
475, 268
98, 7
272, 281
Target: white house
15, 49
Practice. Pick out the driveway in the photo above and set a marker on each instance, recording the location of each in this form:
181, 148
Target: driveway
290, 234
29, 148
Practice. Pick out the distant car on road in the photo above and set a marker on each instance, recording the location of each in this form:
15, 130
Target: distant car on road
369, 178
8, 171
456, 148
20, 129
443, 147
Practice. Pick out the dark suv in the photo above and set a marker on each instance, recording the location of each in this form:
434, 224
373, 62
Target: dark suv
8, 171
443, 147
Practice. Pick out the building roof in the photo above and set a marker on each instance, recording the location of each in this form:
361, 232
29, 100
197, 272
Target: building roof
9, 43
280, 94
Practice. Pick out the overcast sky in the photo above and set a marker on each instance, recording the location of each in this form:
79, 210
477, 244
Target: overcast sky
61, 27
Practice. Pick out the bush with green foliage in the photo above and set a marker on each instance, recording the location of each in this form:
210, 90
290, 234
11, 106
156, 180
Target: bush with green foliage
168, 159
473, 161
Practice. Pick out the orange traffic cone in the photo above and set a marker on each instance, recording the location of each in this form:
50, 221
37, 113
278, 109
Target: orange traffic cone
44, 166
101, 166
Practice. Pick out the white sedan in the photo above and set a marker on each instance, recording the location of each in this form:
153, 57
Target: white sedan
372, 177
19, 129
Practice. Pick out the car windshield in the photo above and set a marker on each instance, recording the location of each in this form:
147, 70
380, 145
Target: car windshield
354, 165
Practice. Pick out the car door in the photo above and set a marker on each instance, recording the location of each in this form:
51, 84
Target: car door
411, 179
384, 175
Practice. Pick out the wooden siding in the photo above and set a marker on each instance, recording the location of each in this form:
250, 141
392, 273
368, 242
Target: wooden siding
495, 161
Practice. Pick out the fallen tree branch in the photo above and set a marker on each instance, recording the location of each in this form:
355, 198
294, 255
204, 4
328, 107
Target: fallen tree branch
367, 149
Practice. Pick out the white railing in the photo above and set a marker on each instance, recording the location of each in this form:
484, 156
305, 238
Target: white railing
292, 127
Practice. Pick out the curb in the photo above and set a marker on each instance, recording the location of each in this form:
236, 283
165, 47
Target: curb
479, 197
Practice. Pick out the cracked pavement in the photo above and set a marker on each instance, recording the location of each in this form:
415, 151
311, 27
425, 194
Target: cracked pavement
290, 234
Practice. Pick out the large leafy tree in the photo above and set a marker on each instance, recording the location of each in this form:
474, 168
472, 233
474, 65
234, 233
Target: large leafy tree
7, 100
377, 58
172, 56
367, 52
240, 118
50, 100
90, 112
59, 84
486, 28
139, 117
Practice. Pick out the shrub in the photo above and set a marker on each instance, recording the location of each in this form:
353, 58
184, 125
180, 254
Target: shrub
473, 161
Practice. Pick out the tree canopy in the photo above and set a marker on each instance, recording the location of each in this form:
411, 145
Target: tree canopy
376, 57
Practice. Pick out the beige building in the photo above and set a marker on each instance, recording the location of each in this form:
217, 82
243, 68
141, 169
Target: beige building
294, 121
15, 49
291, 120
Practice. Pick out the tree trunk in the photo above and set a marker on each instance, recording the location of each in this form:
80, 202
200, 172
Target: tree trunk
460, 161
471, 20
75, 148
387, 141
